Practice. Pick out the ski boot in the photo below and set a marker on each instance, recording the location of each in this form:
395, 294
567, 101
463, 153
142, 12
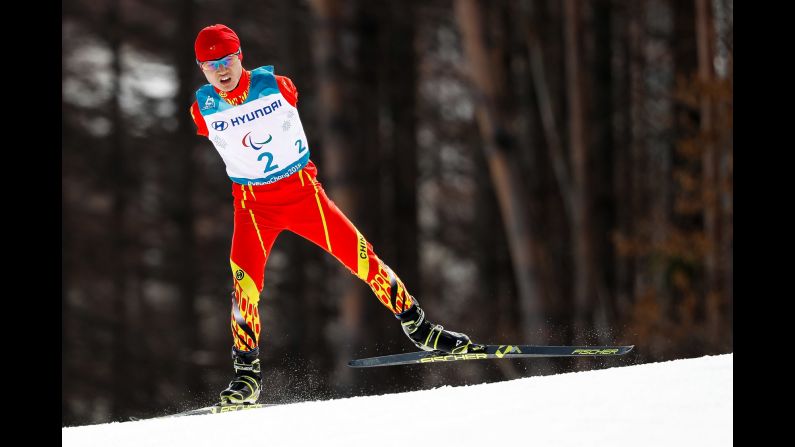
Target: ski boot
431, 337
247, 383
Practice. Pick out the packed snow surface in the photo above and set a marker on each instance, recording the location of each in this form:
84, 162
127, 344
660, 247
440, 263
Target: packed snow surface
677, 403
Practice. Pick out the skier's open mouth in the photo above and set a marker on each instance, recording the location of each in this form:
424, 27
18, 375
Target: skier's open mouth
225, 80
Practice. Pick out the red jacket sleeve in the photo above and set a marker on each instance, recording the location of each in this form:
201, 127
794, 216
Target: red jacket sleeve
288, 89
201, 125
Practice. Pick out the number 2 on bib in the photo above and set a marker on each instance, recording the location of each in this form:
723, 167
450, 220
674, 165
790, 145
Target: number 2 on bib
269, 166
300, 145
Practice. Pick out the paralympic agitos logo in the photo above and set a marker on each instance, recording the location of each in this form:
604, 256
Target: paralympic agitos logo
256, 145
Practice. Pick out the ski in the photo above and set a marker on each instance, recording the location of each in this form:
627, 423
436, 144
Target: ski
480, 352
212, 409
222, 408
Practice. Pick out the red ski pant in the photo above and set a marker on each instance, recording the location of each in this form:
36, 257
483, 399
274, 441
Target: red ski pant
299, 204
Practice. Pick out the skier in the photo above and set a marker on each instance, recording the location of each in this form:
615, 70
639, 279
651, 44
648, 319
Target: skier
251, 118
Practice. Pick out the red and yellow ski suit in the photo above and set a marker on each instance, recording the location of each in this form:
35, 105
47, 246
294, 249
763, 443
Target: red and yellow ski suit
299, 204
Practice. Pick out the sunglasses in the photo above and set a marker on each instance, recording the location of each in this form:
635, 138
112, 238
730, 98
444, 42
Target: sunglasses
218, 64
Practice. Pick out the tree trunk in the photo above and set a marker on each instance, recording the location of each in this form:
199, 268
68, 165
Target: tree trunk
724, 11
584, 290
637, 164
711, 186
554, 140
621, 184
499, 145
119, 176
186, 274
338, 136
401, 82
604, 160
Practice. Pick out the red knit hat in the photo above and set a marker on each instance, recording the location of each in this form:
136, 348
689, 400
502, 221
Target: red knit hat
215, 42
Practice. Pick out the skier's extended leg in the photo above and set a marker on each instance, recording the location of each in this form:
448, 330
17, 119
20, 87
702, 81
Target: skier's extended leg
251, 244
330, 229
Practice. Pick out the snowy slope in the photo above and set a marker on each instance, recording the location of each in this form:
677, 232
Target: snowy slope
677, 403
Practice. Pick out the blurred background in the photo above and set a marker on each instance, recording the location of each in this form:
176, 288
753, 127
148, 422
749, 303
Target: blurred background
536, 171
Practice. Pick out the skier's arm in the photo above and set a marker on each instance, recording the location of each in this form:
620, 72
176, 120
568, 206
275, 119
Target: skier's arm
288, 90
198, 119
